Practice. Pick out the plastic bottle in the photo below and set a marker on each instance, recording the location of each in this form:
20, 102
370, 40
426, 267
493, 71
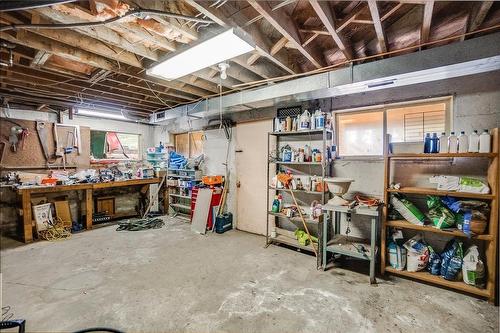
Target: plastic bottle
474, 142
276, 205
452, 143
485, 142
305, 120
443, 143
320, 119
434, 144
313, 121
463, 142
288, 124
427, 143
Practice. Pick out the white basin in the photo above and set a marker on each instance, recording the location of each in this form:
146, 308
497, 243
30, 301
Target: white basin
338, 185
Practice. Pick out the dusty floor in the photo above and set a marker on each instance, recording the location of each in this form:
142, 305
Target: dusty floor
171, 280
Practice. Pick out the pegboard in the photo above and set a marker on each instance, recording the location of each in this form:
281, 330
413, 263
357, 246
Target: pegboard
32, 157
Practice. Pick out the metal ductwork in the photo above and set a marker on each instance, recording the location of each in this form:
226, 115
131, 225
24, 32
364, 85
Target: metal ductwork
474, 56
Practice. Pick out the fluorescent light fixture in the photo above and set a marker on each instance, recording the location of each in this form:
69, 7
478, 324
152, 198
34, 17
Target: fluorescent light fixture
97, 114
226, 45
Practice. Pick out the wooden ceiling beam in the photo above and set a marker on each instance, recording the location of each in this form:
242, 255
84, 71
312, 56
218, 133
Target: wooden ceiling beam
427, 20
278, 45
29, 39
480, 15
39, 81
382, 44
122, 27
40, 58
327, 17
81, 41
390, 12
101, 33
282, 22
262, 43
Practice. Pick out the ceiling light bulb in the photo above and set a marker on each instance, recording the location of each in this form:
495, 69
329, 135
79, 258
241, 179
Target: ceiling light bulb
223, 66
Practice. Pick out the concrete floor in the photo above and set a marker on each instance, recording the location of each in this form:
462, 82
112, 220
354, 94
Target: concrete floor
172, 280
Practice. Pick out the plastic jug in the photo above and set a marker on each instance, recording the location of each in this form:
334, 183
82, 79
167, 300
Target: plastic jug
320, 120
305, 120
452, 143
427, 143
485, 142
463, 143
474, 142
313, 121
443, 143
434, 144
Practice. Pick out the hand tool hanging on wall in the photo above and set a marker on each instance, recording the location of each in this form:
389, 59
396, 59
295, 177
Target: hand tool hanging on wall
41, 129
58, 150
77, 139
15, 131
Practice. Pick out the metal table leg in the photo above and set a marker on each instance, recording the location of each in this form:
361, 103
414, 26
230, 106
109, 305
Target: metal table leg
326, 219
372, 250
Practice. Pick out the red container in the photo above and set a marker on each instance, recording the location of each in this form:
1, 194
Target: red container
216, 197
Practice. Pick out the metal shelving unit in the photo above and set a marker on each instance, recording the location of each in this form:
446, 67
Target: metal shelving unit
179, 203
323, 169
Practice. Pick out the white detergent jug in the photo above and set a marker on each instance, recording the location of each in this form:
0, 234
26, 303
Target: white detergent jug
305, 121
463, 143
474, 142
443, 143
320, 119
485, 142
313, 121
452, 143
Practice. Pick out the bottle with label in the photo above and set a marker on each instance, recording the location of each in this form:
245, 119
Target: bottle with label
463, 142
276, 205
434, 144
313, 121
305, 120
427, 143
443, 143
474, 142
320, 119
452, 143
288, 124
485, 142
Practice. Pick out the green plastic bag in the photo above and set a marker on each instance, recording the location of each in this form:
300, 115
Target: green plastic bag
440, 216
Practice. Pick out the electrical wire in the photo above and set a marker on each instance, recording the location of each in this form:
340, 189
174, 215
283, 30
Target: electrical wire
98, 23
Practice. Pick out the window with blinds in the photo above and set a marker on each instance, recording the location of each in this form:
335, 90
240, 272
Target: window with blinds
361, 133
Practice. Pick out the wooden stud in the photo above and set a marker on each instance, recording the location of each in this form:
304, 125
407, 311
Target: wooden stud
372, 4
426, 25
27, 223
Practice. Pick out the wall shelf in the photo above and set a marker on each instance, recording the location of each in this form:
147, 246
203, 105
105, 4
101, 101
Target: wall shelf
490, 239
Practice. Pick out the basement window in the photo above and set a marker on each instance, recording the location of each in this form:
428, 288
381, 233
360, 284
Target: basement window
361, 132
114, 146
189, 144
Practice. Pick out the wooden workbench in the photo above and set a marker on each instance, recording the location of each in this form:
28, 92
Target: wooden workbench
26, 193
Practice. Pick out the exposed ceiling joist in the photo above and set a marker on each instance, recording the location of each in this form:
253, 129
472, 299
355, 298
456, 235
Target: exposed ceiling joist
327, 17
426, 24
40, 58
282, 22
382, 44
480, 15
262, 43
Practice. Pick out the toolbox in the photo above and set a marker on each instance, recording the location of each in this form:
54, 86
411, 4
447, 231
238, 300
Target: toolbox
224, 223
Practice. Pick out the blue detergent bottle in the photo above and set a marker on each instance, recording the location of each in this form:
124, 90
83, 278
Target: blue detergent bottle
434, 144
427, 143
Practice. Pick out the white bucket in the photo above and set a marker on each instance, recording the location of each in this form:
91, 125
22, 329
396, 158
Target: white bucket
338, 185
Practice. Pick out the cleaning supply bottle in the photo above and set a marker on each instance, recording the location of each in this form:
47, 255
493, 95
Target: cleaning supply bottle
452, 143
307, 153
313, 121
320, 119
280, 202
288, 122
474, 142
463, 143
305, 120
443, 143
427, 143
434, 146
276, 205
485, 142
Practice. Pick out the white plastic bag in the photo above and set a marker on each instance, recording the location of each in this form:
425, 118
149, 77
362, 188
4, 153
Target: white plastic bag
473, 267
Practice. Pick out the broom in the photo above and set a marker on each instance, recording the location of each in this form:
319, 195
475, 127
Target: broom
286, 179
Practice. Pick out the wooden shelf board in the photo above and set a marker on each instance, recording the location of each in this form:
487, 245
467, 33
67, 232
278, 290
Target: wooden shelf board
427, 277
428, 228
441, 155
297, 163
430, 191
